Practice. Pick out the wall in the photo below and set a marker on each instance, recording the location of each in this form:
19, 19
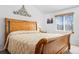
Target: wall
7, 10
52, 27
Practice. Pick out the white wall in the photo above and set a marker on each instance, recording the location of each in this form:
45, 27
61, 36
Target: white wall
7, 10
52, 27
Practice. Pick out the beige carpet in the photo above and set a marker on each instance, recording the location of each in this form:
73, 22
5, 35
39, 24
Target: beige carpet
74, 49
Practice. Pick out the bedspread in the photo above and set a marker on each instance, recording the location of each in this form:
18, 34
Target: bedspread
26, 42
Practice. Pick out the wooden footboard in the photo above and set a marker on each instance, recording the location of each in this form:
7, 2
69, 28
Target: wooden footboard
40, 45
59, 45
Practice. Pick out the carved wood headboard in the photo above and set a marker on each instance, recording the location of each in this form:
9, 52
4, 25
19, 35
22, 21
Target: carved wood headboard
16, 25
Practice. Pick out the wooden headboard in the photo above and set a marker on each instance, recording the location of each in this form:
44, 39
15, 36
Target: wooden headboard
16, 25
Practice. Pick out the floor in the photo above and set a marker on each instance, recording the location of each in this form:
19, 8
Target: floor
73, 50
4, 52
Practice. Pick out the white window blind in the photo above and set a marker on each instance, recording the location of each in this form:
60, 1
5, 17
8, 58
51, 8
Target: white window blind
65, 22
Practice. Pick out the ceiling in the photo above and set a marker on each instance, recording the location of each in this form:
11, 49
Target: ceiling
52, 8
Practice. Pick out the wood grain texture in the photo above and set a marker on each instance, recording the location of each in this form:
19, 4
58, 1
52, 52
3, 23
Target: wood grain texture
16, 25
60, 45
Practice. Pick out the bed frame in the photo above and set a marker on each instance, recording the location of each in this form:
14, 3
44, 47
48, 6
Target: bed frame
58, 46
16, 25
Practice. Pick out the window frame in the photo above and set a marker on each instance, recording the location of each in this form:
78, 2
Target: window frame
64, 28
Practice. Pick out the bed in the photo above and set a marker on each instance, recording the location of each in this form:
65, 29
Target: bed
23, 37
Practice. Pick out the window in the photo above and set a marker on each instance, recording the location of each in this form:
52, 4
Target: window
64, 22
